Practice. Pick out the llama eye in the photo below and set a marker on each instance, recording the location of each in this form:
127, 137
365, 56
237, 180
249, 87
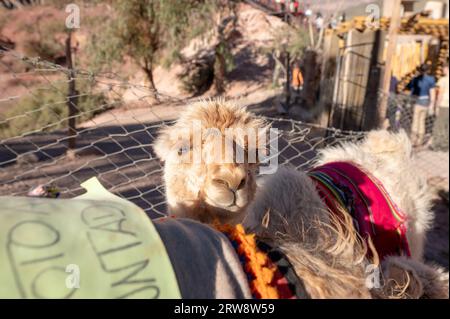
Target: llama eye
183, 150
242, 184
220, 182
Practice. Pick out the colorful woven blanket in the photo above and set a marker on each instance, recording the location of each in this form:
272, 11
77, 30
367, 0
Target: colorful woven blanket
375, 214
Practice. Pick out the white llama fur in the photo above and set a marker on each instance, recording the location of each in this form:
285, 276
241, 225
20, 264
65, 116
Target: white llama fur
210, 189
288, 205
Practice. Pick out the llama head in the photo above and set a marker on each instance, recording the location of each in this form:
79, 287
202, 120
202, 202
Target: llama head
210, 160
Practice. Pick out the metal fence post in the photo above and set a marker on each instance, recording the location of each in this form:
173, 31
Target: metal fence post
72, 95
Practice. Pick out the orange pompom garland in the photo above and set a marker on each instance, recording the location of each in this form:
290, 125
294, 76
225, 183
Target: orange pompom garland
257, 265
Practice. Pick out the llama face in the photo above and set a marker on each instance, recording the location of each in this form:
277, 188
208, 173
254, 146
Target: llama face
229, 187
223, 183
210, 160
229, 183
215, 174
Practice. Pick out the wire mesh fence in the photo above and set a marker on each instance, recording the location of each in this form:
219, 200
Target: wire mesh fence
429, 129
113, 139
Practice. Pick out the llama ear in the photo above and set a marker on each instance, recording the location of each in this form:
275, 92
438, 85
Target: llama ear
162, 145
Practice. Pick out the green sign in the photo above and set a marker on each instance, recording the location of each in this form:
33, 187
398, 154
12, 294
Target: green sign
94, 246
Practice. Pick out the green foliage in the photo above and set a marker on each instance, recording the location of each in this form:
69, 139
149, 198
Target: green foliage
139, 29
214, 19
45, 49
46, 109
292, 39
42, 41
223, 49
298, 42
152, 31
194, 19
197, 75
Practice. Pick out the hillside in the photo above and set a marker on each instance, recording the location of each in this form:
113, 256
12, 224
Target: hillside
42, 24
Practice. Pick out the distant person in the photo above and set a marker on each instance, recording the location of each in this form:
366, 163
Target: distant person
393, 85
333, 22
422, 90
319, 21
297, 77
295, 8
278, 68
394, 111
281, 5
441, 130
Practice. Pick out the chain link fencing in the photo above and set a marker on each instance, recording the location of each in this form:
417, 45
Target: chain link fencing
428, 129
114, 138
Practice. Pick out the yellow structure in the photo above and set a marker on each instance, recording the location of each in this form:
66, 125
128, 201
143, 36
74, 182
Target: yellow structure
409, 55
421, 25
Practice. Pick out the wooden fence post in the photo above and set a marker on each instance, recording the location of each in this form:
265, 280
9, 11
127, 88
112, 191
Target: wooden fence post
287, 60
72, 95
393, 32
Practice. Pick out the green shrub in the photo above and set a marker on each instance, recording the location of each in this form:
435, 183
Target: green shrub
45, 109
197, 75
42, 39
47, 50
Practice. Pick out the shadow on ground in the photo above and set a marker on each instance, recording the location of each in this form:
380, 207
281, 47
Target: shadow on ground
122, 158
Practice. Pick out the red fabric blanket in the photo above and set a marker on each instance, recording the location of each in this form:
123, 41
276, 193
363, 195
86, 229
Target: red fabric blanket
374, 213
